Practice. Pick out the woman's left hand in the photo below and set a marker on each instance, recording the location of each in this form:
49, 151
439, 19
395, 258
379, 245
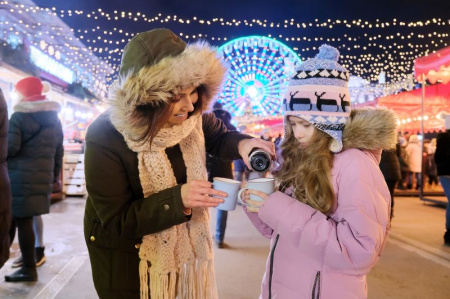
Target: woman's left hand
245, 146
254, 205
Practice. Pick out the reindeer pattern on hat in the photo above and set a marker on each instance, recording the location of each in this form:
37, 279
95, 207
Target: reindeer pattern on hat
315, 99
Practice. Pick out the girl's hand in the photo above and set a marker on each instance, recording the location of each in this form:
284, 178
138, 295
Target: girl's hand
198, 193
254, 205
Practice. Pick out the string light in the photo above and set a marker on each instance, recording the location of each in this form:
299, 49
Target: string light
399, 63
367, 47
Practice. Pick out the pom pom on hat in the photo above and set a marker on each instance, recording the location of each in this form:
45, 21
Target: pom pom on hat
328, 53
46, 87
31, 89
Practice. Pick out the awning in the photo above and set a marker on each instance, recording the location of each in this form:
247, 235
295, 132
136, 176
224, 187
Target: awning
407, 106
433, 67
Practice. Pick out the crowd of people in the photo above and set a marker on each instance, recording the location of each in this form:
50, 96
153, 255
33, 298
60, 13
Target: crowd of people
150, 160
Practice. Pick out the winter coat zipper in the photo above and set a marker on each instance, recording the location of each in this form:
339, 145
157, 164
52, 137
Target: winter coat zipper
316, 286
272, 253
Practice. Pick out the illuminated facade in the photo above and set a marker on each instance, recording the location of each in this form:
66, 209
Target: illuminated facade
35, 42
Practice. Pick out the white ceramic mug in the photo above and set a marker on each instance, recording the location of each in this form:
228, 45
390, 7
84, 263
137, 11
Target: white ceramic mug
231, 187
266, 185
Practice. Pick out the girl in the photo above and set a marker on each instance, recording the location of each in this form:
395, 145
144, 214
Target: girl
329, 222
146, 222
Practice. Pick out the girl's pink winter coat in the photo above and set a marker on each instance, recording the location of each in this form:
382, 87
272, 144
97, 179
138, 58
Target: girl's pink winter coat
318, 256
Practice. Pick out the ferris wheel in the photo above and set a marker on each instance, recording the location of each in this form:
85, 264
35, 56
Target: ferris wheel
259, 70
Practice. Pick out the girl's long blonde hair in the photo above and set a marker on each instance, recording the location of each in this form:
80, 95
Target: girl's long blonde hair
307, 170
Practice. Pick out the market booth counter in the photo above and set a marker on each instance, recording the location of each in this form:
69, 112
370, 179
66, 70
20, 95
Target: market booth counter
73, 170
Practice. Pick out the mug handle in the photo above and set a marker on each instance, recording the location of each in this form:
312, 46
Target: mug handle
243, 202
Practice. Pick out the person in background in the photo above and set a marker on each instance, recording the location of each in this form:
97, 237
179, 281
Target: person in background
240, 170
431, 169
329, 221
146, 221
278, 140
266, 135
5, 187
413, 149
403, 160
35, 152
220, 168
424, 173
442, 159
390, 167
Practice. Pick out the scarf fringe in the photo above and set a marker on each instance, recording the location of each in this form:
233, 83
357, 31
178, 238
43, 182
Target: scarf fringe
188, 282
143, 276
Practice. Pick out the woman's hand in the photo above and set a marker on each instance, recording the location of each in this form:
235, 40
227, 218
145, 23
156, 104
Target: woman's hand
245, 146
254, 205
198, 193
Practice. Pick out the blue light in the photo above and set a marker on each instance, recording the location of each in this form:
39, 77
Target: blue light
50, 65
252, 91
259, 68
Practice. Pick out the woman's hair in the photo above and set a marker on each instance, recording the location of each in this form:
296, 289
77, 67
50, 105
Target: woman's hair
308, 170
153, 116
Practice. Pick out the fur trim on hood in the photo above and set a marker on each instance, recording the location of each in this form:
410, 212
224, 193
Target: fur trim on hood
199, 64
37, 106
371, 129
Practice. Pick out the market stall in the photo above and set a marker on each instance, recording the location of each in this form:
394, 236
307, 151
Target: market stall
408, 107
433, 68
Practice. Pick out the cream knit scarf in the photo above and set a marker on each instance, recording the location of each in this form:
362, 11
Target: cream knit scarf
177, 262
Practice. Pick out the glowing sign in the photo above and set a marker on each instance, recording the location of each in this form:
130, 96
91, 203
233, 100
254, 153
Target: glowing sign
50, 65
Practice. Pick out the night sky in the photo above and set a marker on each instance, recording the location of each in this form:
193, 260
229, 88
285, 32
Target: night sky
276, 12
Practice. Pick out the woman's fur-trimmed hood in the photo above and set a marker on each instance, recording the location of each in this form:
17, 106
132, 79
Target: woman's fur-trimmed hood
370, 129
199, 64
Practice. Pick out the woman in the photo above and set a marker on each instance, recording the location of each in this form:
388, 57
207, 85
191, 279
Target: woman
146, 221
329, 222
35, 152
390, 168
414, 151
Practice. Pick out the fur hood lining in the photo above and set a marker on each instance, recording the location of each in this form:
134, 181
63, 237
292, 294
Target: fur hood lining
370, 129
199, 64
37, 106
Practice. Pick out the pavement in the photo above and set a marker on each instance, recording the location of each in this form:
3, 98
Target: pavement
414, 264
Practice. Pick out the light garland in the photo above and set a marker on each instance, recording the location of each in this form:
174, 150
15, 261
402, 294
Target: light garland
366, 91
56, 40
388, 46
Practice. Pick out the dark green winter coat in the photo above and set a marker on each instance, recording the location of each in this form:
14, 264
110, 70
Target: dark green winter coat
117, 216
5, 188
35, 152
219, 167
